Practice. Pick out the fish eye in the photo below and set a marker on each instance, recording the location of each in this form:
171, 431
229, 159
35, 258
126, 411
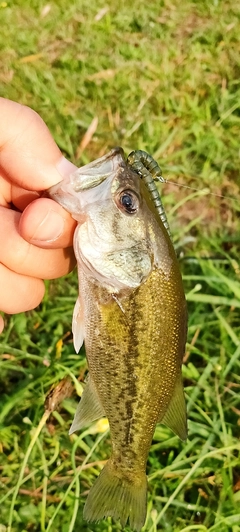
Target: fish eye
128, 201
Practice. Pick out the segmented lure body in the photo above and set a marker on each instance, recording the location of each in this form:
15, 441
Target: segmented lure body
140, 158
149, 170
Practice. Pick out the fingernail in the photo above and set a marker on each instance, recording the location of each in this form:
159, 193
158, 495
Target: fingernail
49, 229
65, 168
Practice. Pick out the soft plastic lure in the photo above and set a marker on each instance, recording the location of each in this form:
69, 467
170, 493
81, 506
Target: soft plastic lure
149, 170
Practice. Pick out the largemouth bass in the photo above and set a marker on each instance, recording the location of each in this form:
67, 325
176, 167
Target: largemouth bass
131, 314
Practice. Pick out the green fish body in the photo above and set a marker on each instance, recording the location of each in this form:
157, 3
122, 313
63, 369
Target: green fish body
131, 314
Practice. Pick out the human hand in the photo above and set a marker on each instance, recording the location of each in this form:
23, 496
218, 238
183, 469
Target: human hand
36, 233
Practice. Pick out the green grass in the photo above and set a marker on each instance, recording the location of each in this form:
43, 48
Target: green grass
163, 76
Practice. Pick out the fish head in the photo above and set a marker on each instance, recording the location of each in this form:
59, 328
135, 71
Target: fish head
72, 192
116, 238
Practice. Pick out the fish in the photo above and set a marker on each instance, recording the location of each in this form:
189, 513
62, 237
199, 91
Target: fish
131, 314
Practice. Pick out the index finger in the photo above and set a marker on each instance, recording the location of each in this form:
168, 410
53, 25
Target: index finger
29, 157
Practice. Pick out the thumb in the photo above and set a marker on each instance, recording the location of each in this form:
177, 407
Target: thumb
46, 224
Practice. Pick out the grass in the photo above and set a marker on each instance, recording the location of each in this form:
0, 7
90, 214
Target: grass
161, 76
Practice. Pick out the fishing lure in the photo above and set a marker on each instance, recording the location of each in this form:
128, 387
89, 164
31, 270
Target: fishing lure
149, 170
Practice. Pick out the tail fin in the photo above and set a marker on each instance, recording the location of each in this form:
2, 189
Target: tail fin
117, 497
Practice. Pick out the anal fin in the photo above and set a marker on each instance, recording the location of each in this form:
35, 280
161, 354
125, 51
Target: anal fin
89, 408
176, 415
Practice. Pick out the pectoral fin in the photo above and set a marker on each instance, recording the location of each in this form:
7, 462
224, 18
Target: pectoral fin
78, 326
89, 408
176, 415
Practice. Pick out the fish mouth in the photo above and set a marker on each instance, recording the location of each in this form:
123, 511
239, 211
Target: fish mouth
68, 192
